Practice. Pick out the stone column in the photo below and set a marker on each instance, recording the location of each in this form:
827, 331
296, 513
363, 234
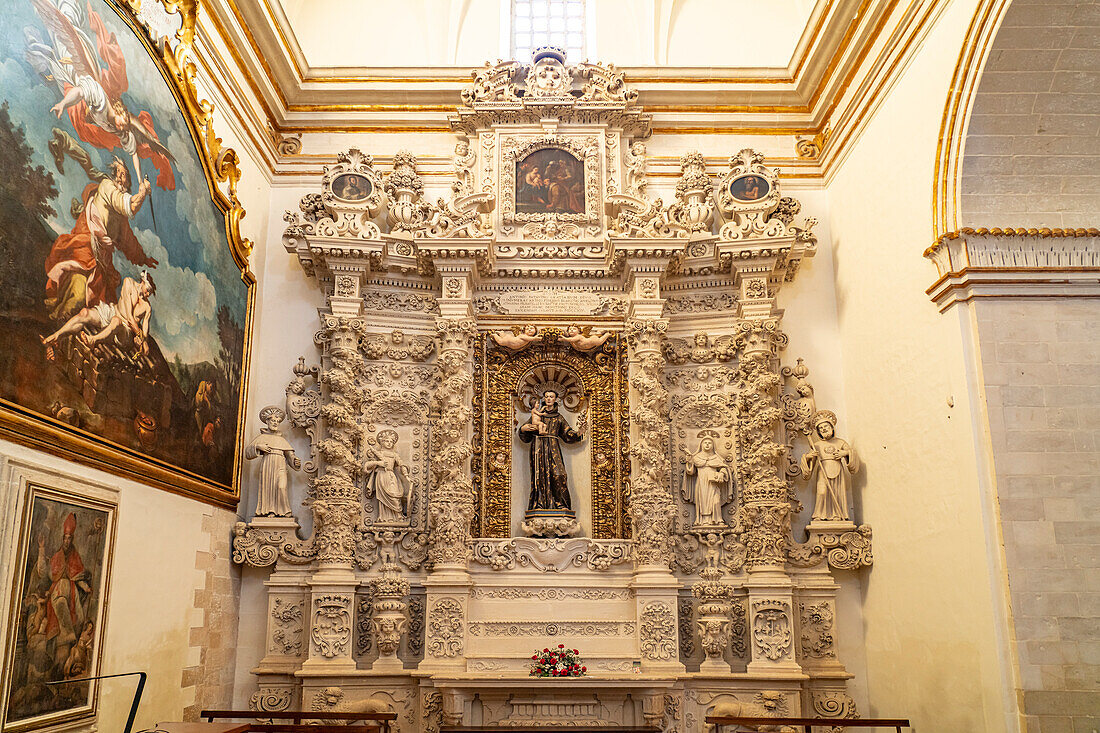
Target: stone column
651, 504
388, 620
765, 513
335, 495
451, 495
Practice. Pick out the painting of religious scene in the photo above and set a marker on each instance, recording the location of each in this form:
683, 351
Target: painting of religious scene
351, 187
60, 591
550, 181
122, 310
749, 188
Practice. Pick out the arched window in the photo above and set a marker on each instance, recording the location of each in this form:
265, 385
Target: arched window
558, 23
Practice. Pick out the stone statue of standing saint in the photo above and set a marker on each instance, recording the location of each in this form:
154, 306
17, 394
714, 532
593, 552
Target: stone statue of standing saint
388, 478
277, 454
835, 462
549, 507
707, 481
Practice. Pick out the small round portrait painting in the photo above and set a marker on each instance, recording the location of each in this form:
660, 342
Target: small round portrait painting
749, 188
351, 187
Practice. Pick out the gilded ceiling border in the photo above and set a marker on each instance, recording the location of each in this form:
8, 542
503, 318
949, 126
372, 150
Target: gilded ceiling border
221, 166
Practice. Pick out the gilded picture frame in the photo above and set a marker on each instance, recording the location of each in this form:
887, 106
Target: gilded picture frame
212, 476
59, 601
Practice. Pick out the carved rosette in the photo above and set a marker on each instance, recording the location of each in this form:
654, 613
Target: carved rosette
765, 513
652, 507
451, 506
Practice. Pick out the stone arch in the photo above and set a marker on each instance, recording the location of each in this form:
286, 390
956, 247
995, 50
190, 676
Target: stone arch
1019, 140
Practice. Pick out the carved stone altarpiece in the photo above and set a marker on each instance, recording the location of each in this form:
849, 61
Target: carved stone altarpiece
552, 264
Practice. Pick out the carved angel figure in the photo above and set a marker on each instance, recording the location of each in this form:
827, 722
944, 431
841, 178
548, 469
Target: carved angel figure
835, 462
583, 339
389, 478
277, 454
517, 339
707, 481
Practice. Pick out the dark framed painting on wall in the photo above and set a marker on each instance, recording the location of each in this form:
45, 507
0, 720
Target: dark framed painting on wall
58, 610
125, 298
749, 187
550, 181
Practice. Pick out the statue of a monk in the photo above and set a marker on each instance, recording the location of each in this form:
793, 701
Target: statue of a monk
546, 430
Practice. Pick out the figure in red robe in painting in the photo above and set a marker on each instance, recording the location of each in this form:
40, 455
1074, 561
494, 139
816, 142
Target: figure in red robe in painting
69, 586
91, 94
80, 270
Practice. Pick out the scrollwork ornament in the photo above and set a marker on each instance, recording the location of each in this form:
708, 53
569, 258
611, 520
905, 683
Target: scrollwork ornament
270, 700
261, 548
816, 623
657, 631
446, 622
845, 550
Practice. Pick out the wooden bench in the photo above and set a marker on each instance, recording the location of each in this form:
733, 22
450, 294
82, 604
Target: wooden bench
382, 720
553, 729
810, 723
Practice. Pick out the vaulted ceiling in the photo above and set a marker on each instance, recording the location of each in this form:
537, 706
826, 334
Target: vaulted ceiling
699, 65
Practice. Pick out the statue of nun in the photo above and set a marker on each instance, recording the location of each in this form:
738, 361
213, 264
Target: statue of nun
707, 481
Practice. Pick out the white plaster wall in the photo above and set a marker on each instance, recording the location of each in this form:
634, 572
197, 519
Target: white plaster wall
152, 594
933, 604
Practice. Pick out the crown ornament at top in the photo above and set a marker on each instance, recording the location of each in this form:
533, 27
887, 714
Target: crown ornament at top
548, 79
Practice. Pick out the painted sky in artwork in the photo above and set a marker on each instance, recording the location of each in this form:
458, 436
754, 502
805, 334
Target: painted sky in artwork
196, 273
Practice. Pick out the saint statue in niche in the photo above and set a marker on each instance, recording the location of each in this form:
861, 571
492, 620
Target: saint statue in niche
549, 181
388, 478
707, 481
546, 430
277, 454
835, 462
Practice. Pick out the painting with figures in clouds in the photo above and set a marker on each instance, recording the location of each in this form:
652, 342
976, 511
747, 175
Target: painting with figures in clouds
122, 309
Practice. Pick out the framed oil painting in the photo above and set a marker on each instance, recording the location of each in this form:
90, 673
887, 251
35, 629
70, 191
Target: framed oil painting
60, 586
550, 181
749, 188
125, 300
351, 187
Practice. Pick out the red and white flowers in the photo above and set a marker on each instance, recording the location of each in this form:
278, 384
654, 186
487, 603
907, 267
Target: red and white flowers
560, 662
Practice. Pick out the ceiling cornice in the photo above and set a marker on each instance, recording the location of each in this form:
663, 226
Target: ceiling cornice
796, 99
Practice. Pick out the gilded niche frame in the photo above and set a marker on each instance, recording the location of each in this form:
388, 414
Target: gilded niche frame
221, 169
498, 374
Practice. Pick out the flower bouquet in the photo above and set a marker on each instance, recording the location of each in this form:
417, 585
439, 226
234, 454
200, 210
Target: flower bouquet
560, 662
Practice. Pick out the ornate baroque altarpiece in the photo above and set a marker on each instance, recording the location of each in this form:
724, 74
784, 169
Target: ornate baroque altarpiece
550, 409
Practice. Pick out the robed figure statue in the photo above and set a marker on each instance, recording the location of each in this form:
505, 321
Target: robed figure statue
546, 430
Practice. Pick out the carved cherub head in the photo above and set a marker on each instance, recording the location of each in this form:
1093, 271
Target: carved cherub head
530, 329
701, 340
462, 147
637, 147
